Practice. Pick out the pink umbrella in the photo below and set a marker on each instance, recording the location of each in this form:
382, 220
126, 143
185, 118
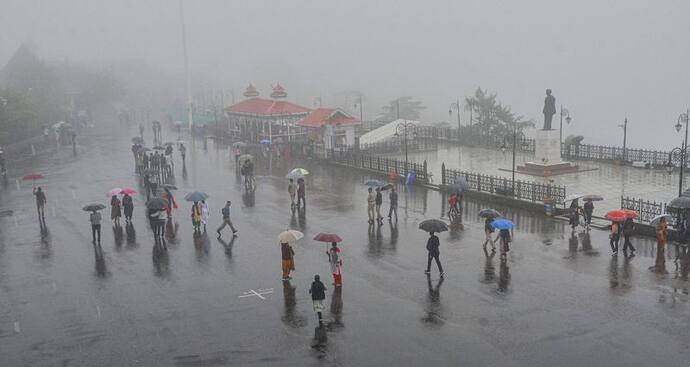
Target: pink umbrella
113, 192
128, 191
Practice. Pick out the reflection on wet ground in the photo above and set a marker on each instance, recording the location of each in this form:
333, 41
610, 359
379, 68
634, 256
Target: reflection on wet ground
136, 300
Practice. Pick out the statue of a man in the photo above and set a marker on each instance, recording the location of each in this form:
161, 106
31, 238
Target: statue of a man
549, 109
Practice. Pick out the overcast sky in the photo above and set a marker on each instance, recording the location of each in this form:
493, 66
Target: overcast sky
604, 60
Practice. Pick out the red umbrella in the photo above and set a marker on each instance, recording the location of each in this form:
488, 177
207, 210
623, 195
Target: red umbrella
128, 191
631, 213
327, 237
620, 215
33, 177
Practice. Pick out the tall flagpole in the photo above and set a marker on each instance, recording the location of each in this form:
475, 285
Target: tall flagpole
190, 116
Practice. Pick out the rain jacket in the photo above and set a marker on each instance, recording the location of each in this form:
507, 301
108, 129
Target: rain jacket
318, 290
432, 245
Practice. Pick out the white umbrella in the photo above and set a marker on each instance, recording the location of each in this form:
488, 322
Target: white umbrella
290, 236
656, 219
572, 197
297, 173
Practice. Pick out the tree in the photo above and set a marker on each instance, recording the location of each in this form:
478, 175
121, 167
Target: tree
490, 117
403, 107
18, 118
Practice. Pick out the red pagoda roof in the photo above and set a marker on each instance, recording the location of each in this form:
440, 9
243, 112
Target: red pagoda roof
251, 91
260, 106
278, 92
327, 116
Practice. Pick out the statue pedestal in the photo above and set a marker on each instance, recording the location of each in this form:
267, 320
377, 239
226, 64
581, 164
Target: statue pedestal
547, 157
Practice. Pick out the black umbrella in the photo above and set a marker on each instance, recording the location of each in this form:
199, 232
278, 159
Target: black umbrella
168, 186
93, 207
386, 187
158, 147
681, 202
142, 150
460, 184
433, 225
157, 204
592, 197
490, 213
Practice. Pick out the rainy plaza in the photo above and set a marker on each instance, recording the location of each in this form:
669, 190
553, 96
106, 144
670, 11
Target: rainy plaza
394, 183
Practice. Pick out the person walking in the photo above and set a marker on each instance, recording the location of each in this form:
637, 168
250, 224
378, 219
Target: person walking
172, 204
379, 202
95, 219
288, 259
40, 203
128, 205
588, 210
301, 193
628, 228
336, 264
371, 205
615, 237
159, 223
433, 248
488, 231
115, 210
318, 295
169, 155
662, 233
226, 219
183, 153
505, 238
292, 191
574, 215
393, 199
205, 214
196, 217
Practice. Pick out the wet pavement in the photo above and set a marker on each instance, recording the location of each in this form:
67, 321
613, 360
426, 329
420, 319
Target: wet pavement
557, 299
606, 179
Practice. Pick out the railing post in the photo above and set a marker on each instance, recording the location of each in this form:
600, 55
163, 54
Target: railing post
443, 173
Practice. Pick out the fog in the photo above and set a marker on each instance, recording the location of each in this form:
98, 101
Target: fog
604, 60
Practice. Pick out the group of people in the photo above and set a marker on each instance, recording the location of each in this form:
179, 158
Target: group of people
375, 201
625, 229
504, 236
575, 211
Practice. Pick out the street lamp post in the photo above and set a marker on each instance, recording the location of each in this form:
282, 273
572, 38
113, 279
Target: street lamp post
403, 129
624, 125
682, 119
455, 106
503, 148
564, 113
359, 104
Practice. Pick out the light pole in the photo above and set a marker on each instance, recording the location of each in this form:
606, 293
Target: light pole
455, 106
624, 125
503, 149
403, 129
360, 105
683, 151
564, 113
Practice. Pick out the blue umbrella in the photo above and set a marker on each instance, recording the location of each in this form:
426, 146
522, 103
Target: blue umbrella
374, 183
196, 196
502, 224
264, 141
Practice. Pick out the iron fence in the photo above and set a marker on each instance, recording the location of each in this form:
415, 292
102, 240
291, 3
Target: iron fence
524, 190
605, 153
646, 209
474, 139
397, 146
380, 164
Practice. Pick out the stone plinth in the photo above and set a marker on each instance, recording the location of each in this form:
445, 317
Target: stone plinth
547, 156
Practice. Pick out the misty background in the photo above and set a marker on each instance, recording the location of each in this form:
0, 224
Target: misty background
604, 60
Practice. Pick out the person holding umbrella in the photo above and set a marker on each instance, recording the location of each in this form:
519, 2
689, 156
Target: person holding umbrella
379, 202
301, 192
95, 220
336, 264
588, 209
183, 153
628, 228
371, 205
205, 213
115, 210
433, 252
196, 217
167, 195
288, 259
40, 202
128, 205
488, 231
292, 191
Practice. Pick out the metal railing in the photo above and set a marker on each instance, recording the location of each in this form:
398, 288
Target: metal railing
524, 190
379, 164
646, 209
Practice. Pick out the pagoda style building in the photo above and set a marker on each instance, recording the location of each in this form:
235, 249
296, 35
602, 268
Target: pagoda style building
258, 118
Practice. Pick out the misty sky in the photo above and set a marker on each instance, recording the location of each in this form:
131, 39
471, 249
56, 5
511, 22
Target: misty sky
604, 60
